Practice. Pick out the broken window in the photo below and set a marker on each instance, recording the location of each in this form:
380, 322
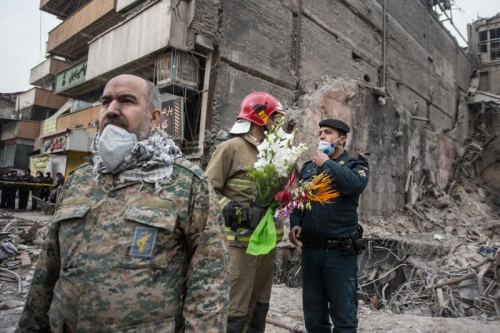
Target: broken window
483, 41
489, 44
494, 44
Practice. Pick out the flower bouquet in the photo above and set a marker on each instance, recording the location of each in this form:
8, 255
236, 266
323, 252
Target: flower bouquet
276, 160
299, 196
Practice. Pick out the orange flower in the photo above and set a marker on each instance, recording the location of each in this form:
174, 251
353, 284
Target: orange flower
320, 189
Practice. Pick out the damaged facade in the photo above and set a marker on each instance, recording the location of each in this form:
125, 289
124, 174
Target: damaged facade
400, 81
484, 46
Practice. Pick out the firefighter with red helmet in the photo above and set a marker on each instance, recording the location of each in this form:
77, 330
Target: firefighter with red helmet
251, 276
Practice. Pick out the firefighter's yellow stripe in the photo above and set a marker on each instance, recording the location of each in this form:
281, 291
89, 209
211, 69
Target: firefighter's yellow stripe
223, 202
239, 183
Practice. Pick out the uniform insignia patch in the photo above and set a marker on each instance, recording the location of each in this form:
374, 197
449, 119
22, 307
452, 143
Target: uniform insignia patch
144, 242
362, 173
342, 162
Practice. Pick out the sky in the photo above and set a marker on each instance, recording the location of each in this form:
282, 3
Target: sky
24, 29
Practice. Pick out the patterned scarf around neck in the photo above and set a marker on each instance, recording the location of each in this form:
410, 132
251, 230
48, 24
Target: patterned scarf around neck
150, 160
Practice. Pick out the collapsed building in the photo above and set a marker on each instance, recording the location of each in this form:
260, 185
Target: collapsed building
401, 82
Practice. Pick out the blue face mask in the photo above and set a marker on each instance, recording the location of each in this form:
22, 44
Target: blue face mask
327, 147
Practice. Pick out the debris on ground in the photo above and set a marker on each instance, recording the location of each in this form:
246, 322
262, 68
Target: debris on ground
286, 307
432, 266
20, 245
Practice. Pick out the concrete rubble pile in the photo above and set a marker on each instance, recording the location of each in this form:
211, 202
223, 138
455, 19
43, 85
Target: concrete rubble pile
20, 246
439, 255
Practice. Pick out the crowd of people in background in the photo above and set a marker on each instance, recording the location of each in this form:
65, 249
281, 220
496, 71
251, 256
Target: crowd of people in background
14, 184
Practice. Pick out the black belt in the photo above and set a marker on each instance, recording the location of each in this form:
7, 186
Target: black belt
322, 243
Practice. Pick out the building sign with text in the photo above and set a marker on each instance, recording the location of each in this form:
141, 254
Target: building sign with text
49, 126
55, 144
172, 118
71, 76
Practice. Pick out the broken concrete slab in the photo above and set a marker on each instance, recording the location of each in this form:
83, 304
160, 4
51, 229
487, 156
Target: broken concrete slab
11, 304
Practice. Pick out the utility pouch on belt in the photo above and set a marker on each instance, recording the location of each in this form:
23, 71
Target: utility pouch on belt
346, 247
359, 244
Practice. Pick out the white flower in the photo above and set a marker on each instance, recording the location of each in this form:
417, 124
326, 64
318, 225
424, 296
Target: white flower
278, 151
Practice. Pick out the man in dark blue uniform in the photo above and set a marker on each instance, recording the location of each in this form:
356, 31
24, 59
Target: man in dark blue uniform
48, 180
11, 189
331, 237
3, 201
24, 190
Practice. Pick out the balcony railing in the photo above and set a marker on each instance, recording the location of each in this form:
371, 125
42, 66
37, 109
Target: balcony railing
61, 8
70, 38
44, 74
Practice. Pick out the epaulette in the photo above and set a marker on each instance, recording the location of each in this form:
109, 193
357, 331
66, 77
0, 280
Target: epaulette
361, 162
84, 165
364, 156
196, 170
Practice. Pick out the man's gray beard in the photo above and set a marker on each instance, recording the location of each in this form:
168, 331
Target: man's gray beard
144, 129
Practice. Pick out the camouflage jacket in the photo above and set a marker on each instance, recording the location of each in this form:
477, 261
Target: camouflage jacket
124, 258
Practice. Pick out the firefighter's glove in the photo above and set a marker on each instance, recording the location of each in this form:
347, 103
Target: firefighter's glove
234, 214
255, 215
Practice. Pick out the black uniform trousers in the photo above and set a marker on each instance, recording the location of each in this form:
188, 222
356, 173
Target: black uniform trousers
3, 202
23, 198
329, 290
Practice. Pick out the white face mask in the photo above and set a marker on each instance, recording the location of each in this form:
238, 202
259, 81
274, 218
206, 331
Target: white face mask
327, 147
115, 143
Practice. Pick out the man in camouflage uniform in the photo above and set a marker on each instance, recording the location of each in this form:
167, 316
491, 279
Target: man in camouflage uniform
137, 243
251, 276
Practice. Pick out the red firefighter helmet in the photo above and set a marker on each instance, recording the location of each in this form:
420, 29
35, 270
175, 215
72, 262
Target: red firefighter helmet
258, 107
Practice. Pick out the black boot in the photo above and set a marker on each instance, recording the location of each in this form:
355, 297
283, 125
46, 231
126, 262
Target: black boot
258, 322
235, 324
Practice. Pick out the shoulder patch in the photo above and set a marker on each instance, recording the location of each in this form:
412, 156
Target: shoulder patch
196, 170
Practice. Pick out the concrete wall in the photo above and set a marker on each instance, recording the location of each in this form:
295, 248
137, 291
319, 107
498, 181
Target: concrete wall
28, 129
494, 79
7, 108
86, 16
24, 129
139, 31
9, 131
427, 74
124, 4
40, 97
81, 118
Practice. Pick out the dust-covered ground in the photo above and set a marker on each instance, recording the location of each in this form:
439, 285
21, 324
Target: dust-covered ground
286, 305
442, 244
